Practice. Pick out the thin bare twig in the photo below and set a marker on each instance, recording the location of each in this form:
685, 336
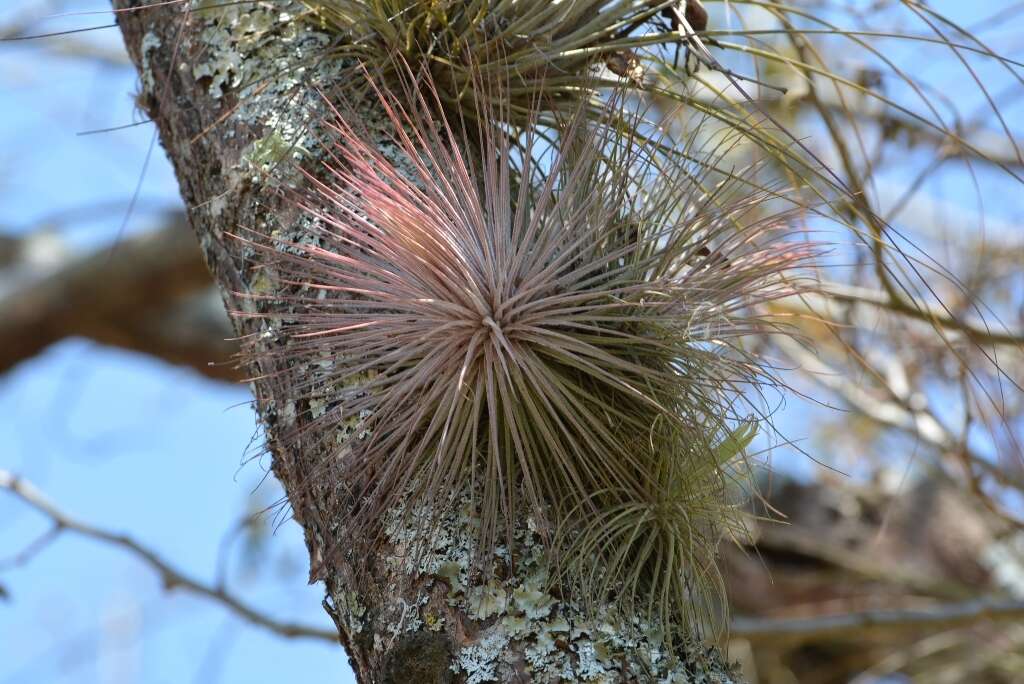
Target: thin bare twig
172, 577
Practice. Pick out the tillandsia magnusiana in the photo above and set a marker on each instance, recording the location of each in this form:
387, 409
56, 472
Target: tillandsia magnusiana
552, 326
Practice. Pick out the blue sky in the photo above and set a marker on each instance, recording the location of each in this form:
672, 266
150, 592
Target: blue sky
128, 443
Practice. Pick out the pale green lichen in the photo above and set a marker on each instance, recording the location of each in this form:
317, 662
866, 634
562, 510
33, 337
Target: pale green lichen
534, 603
354, 612
262, 282
520, 619
487, 600
150, 42
408, 620
452, 573
267, 153
317, 407
515, 624
478, 660
236, 33
263, 53
287, 413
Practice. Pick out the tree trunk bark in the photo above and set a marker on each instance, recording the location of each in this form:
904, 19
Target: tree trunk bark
234, 90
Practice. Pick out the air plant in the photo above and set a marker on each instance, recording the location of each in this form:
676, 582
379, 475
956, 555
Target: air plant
653, 552
530, 44
567, 50
554, 329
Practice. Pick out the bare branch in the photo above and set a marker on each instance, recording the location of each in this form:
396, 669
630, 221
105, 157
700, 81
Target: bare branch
150, 293
172, 578
979, 333
863, 623
41, 542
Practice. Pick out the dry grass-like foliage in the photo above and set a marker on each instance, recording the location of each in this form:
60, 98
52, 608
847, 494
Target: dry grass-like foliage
556, 329
530, 44
739, 59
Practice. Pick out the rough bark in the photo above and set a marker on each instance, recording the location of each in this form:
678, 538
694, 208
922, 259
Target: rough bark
234, 114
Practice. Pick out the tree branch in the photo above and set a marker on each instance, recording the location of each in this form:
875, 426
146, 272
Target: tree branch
171, 577
151, 293
979, 333
863, 623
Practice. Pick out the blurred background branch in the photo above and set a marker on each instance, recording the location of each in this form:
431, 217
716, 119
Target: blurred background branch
149, 293
864, 623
